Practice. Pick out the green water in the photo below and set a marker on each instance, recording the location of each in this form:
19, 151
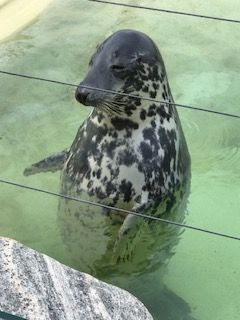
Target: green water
36, 118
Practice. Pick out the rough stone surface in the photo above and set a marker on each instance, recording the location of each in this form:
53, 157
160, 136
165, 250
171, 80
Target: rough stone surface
34, 286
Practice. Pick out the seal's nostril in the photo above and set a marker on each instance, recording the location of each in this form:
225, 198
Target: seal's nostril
81, 95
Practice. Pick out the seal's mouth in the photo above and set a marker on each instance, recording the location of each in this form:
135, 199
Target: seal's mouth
109, 103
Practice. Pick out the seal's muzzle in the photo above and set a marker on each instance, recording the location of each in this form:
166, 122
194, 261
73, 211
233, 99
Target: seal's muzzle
82, 95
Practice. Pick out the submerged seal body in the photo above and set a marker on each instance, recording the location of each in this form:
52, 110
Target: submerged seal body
127, 153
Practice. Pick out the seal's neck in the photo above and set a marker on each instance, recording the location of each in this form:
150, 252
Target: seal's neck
130, 111
146, 114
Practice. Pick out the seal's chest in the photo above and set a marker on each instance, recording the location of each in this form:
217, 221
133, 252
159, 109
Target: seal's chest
123, 160
119, 174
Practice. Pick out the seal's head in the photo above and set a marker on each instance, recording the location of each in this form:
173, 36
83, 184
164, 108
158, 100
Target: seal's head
126, 62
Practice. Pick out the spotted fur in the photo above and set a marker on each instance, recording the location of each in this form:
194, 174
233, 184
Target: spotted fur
128, 152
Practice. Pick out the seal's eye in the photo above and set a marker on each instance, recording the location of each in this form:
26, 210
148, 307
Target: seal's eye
118, 68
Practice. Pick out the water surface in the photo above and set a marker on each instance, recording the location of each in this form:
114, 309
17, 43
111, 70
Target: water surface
36, 118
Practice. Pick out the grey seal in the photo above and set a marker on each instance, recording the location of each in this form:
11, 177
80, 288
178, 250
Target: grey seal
128, 153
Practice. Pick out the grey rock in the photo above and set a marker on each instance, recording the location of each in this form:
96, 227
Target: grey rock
35, 286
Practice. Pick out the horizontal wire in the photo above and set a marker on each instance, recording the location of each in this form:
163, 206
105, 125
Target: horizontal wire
8, 316
166, 11
165, 221
120, 93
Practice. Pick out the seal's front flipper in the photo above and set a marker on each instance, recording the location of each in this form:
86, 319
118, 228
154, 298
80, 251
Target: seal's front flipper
130, 232
52, 163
